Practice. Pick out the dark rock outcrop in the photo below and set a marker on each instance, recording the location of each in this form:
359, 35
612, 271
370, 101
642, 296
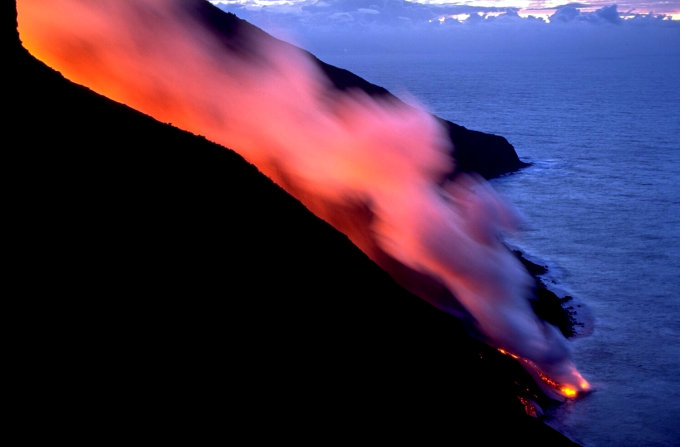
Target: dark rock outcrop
173, 292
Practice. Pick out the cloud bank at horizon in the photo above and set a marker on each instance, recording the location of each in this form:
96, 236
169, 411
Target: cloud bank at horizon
415, 10
324, 26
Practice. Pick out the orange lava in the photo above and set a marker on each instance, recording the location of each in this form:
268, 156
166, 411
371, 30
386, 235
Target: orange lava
564, 390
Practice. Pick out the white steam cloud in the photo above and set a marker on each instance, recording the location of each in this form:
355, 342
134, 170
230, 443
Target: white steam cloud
273, 106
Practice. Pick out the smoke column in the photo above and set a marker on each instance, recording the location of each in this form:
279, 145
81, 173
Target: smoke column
334, 151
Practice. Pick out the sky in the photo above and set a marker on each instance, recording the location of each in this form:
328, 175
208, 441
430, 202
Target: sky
537, 8
596, 27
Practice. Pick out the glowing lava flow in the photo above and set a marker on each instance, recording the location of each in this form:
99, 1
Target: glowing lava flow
338, 153
566, 391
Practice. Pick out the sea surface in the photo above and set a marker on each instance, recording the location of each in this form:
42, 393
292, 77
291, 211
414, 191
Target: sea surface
601, 203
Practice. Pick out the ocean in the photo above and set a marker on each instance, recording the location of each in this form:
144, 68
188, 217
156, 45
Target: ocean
601, 203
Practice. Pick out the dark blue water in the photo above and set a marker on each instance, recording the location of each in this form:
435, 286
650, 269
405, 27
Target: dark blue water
602, 205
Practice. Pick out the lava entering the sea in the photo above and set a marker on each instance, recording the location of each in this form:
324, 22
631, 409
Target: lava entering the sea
337, 152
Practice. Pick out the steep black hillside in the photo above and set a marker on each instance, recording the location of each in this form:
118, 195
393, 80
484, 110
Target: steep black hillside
169, 291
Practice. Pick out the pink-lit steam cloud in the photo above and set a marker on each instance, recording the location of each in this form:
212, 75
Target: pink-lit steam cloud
332, 150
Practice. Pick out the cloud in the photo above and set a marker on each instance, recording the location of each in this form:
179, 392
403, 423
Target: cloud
566, 13
392, 12
572, 12
398, 11
609, 14
329, 26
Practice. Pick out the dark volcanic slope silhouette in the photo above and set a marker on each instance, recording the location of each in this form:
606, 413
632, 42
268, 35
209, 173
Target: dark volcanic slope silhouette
178, 293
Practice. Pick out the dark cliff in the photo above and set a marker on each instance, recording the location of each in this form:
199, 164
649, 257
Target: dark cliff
171, 291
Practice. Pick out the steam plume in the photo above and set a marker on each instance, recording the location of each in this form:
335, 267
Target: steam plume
332, 150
